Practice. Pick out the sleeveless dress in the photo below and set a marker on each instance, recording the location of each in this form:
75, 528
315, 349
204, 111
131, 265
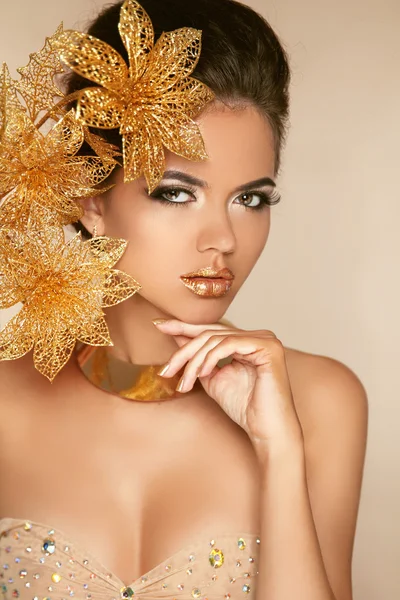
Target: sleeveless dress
40, 563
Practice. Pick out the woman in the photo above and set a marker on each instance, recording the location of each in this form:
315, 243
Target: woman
246, 482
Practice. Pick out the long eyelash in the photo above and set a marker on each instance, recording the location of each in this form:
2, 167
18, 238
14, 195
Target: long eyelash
158, 194
267, 199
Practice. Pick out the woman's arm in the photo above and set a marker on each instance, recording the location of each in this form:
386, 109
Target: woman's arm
310, 490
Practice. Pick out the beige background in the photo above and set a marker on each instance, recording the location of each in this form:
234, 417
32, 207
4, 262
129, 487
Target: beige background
328, 281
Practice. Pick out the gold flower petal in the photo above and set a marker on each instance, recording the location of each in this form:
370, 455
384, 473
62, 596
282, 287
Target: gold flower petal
108, 250
174, 57
67, 210
189, 96
92, 58
52, 351
100, 108
134, 148
119, 286
137, 33
8, 96
65, 138
179, 134
81, 174
16, 339
99, 335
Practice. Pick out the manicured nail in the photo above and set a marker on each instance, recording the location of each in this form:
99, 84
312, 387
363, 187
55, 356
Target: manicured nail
163, 370
181, 385
160, 321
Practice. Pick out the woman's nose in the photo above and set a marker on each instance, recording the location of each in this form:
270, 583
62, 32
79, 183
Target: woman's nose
215, 231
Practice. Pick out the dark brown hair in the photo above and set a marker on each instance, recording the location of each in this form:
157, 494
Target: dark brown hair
242, 59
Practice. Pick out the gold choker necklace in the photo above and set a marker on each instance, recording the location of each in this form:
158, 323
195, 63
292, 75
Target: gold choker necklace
134, 382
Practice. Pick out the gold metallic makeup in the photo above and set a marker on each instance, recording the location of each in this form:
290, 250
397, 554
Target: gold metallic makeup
209, 282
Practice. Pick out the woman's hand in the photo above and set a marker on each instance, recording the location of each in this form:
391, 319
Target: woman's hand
254, 389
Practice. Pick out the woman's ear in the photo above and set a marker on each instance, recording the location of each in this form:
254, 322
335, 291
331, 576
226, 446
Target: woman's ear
93, 216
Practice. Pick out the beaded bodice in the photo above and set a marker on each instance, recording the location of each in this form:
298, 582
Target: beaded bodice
40, 563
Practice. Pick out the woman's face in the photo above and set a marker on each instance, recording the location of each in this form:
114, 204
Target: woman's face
203, 214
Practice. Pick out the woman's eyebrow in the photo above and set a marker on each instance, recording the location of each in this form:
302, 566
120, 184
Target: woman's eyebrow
256, 183
185, 178
191, 180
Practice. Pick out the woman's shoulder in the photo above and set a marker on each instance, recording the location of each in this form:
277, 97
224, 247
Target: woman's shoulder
327, 393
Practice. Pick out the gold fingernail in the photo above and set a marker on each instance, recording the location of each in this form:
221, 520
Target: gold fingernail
181, 385
163, 370
159, 321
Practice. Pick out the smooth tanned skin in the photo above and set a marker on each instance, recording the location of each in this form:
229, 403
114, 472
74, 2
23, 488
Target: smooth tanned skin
133, 482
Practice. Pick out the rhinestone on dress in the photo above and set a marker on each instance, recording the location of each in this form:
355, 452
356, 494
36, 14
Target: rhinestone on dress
56, 578
196, 593
49, 546
127, 592
216, 558
241, 544
246, 588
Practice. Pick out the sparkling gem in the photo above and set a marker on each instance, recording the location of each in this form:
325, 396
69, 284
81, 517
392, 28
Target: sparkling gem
227, 596
58, 564
85, 586
4, 588
189, 571
16, 535
88, 597
17, 559
127, 592
15, 594
167, 567
71, 593
71, 561
93, 576
238, 563
241, 544
232, 580
109, 575
42, 560
11, 580
191, 557
212, 543
143, 579
246, 588
49, 546
66, 548
196, 593
86, 562
180, 587
258, 541
36, 576
28, 549
28, 585
214, 577
251, 559
50, 532
28, 526
23, 573
71, 575
216, 558
164, 586
246, 575
8, 549
56, 578
50, 588
5, 567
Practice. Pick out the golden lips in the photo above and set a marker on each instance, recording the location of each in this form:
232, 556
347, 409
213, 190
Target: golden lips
209, 282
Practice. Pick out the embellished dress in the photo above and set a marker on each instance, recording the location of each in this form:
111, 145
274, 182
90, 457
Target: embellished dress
41, 563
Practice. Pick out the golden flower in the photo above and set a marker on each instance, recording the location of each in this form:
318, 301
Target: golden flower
153, 101
42, 175
63, 288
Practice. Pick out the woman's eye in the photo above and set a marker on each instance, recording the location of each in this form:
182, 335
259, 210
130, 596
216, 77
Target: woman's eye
175, 195
250, 199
